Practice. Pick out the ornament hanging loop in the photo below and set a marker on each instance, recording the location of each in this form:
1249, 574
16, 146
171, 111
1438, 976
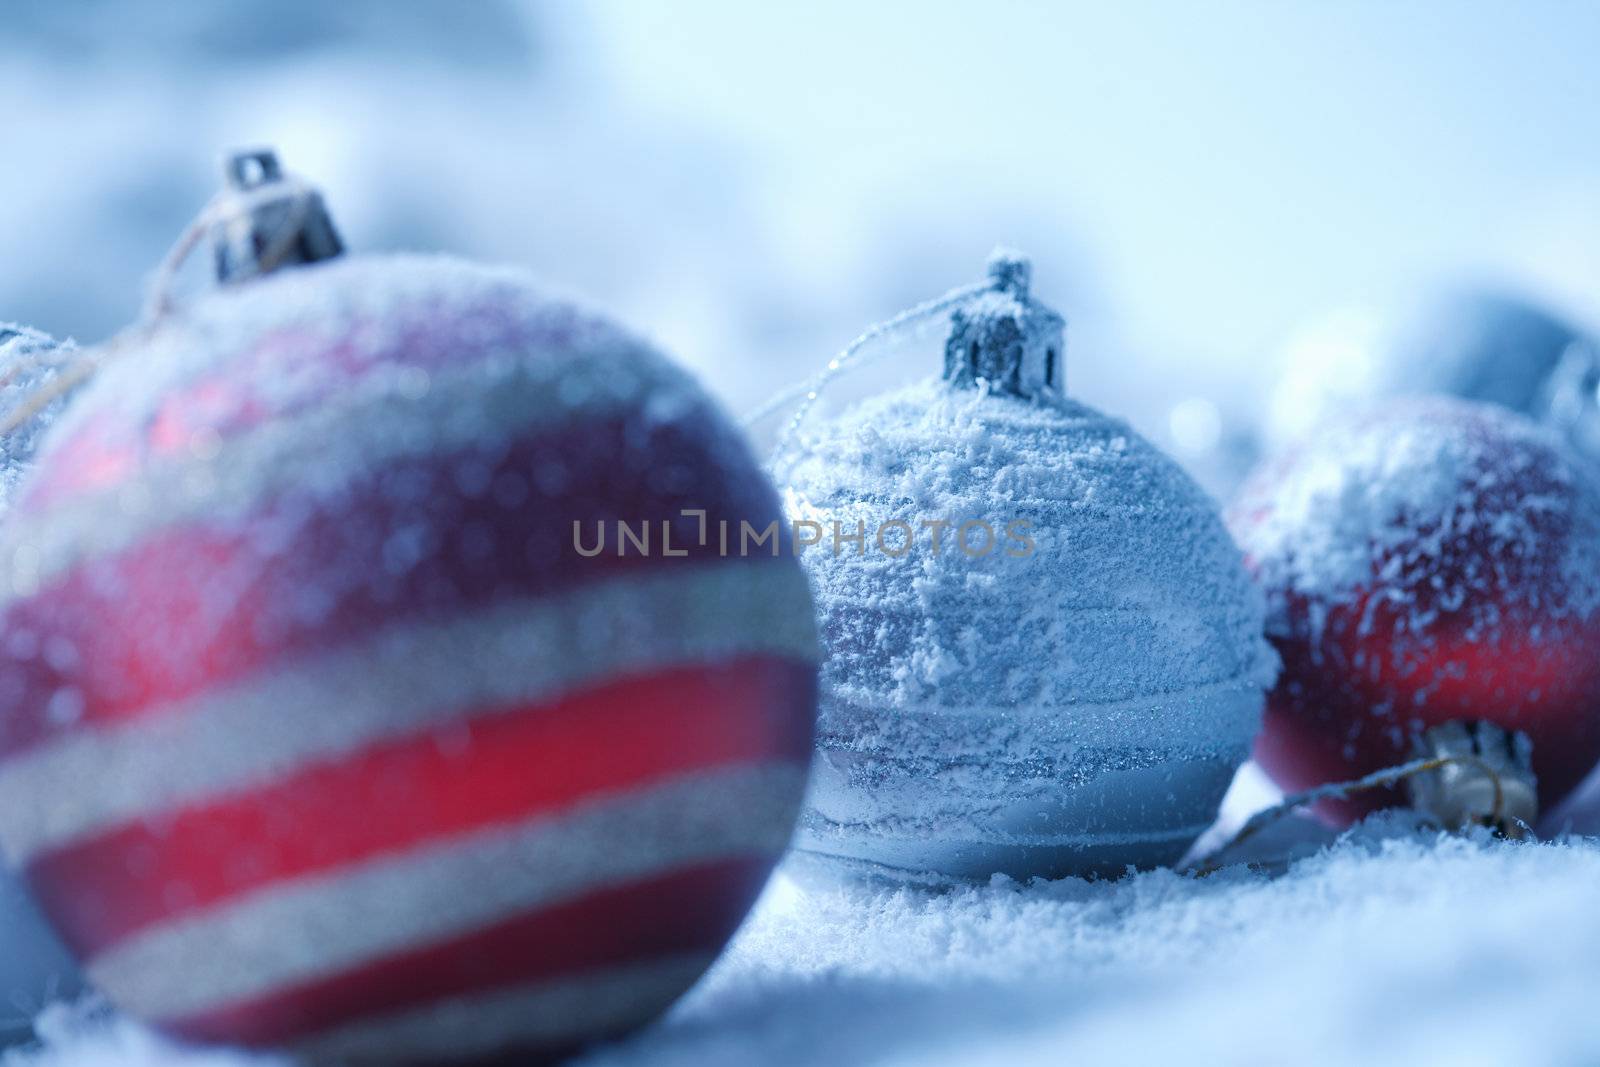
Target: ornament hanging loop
1485, 777
265, 219
252, 167
1010, 272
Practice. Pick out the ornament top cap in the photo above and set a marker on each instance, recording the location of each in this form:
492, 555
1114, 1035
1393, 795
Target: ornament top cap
1004, 337
1010, 271
265, 219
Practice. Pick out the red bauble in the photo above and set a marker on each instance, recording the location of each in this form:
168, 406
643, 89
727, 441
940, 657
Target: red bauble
317, 730
1431, 561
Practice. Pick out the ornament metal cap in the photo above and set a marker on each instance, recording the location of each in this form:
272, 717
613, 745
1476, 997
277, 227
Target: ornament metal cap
1005, 338
1487, 781
265, 219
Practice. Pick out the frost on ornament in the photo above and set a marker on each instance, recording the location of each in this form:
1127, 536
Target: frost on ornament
1472, 344
1074, 700
318, 732
1430, 562
29, 362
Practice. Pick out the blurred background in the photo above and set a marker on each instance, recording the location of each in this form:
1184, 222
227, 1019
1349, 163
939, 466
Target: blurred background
752, 185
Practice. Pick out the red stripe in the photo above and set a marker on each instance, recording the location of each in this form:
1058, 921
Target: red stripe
693, 910
195, 606
502, 766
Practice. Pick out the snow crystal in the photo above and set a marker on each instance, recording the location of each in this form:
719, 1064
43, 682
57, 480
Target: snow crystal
1078, 707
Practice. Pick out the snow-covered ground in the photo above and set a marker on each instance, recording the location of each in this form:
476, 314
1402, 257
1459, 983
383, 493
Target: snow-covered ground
1392, 946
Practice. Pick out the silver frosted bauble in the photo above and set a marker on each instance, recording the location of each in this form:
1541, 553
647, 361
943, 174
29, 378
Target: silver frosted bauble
1073, 701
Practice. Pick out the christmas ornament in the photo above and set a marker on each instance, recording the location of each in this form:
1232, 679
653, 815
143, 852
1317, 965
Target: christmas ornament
1478, 345
322, 727
1432, 573
1042, 654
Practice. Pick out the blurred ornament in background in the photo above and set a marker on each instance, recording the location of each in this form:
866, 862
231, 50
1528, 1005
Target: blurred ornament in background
1432, 574
1474, 344
319, 727
1065, 682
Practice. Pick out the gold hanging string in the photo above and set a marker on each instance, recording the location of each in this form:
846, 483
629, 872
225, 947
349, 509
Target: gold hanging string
1376, 780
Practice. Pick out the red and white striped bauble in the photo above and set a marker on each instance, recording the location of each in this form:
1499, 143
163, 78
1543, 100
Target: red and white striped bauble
317, 732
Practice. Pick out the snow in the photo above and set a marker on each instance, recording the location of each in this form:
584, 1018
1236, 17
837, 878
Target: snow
1392, 946
1416, 482
1065, 710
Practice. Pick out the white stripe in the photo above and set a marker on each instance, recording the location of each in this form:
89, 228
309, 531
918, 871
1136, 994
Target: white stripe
375, 421
818, 833
403, 680
584, 1008
1207, 718
304, 929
